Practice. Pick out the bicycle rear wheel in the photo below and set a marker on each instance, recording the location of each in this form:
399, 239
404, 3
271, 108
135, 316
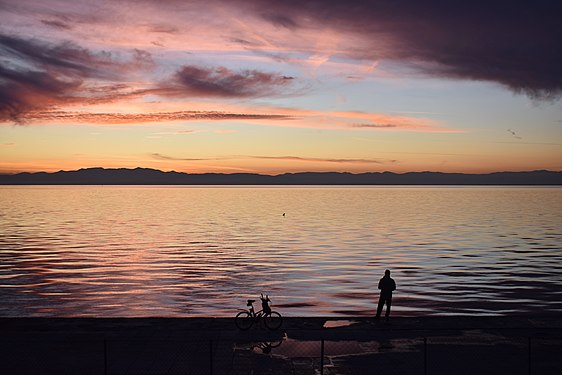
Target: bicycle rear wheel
273, 321
275, 344
243, 320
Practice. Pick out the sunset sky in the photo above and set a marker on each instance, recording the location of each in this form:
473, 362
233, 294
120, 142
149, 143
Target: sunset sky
280, 86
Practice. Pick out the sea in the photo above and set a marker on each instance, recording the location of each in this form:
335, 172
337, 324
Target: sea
203, 251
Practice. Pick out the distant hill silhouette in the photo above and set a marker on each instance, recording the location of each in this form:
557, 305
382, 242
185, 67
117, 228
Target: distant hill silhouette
145, 176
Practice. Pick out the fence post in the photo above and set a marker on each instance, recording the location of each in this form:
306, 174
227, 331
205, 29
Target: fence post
104, 356
211, 357
425, 355
529, 354
322, 357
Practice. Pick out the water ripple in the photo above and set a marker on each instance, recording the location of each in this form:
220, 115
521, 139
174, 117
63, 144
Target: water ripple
200, 251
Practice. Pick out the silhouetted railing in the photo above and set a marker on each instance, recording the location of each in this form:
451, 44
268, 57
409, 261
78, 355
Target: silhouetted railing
472, 353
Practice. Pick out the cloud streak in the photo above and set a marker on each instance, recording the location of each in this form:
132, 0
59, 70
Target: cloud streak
375, 126
155, 117
324, 160
280, 158
58, 24
166, 157
191, 80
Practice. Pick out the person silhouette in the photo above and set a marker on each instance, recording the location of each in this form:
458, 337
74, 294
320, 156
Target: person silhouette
387, 286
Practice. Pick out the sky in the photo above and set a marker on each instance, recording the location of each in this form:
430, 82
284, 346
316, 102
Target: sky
280, 86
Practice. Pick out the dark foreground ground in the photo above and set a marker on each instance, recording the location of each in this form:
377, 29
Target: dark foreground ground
435, 345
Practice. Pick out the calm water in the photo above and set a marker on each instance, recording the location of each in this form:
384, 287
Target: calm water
202, 251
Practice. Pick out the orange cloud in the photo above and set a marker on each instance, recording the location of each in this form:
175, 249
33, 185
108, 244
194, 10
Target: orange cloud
324, 160
280, 158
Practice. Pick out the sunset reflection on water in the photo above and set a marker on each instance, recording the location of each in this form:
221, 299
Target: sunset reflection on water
202, 251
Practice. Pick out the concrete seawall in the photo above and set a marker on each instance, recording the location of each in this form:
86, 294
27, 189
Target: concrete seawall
431, 345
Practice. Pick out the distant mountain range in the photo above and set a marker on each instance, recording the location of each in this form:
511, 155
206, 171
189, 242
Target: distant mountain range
145, 176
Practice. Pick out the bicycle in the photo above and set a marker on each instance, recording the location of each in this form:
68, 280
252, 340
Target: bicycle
263, 347
266, 347
246, 318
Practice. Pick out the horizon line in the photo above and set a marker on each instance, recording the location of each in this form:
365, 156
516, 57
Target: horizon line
274, 175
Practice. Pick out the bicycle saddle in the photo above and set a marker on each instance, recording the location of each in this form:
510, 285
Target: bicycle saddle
250, 301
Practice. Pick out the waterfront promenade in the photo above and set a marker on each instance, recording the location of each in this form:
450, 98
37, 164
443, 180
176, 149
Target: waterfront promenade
432, 345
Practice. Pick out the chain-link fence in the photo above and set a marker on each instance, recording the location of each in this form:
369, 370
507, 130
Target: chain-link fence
471, 353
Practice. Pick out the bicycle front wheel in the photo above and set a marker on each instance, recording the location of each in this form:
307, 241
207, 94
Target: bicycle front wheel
273, 321
243, 320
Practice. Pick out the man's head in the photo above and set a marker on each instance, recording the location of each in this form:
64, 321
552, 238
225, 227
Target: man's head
387, 273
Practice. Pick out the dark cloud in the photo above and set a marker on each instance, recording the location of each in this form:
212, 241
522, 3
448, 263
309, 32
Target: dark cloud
64, 58
198, 81
246, 42
57, 24
21, 92
282, 20
35, 75
513, 43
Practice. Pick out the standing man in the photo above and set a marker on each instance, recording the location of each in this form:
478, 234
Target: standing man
387, 286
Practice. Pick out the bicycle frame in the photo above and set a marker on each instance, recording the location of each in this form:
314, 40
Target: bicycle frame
255, 315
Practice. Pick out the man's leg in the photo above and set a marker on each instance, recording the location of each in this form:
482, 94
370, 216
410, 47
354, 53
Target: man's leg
388, 303
379, 307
